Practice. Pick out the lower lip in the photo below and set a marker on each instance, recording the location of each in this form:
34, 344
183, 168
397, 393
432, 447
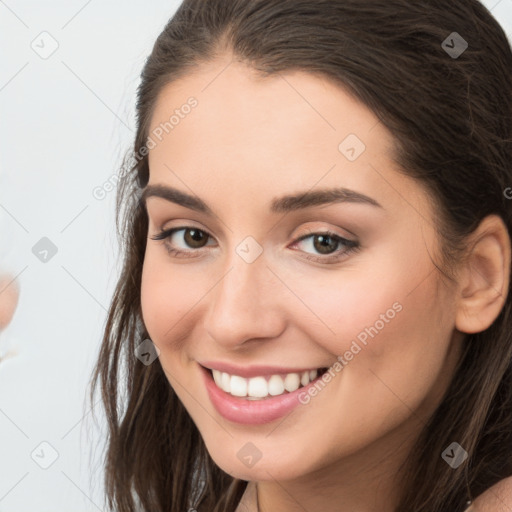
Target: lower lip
251, 412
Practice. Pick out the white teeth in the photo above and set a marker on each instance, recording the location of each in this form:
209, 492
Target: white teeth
217, 377
292, 382
226, 382
238, 386
275, 385
257, 388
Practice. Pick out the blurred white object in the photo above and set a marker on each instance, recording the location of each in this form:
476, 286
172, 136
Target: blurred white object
9, 294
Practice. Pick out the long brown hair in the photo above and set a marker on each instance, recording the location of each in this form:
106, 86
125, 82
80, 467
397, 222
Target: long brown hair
451, 117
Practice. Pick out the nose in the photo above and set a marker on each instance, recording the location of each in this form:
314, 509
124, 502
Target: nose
247, 304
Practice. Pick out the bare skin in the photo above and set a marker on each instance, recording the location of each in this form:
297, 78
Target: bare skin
9, 293
498, 498
248, 141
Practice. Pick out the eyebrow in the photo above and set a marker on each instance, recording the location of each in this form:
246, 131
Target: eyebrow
282, 204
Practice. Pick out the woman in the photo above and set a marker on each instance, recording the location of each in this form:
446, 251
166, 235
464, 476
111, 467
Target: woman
314, 309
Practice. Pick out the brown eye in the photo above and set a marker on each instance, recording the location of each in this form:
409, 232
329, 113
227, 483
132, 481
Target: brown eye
192, 237
329, 246
195, 238
325, 244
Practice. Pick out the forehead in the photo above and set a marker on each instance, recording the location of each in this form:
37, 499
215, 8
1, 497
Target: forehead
284, 107
279, 133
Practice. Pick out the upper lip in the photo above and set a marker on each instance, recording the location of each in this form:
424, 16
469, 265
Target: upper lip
254, 370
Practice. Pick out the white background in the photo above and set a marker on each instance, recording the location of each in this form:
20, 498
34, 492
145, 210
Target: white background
65, 122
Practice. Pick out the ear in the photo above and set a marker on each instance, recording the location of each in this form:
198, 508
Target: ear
484, 276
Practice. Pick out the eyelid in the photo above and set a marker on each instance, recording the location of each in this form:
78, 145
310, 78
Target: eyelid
298, 238
315, 231
350, 246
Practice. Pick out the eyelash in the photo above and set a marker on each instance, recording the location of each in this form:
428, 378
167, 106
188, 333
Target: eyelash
350, 245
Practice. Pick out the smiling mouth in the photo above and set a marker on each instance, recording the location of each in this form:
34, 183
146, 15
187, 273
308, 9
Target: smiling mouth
260, 387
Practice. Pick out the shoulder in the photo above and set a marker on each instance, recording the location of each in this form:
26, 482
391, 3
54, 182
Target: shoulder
497, 498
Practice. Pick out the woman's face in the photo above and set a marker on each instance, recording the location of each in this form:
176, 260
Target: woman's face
264, 309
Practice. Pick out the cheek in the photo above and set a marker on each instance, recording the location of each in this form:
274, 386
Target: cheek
173, 297
388, 317
166, 296
355, 306
165, 301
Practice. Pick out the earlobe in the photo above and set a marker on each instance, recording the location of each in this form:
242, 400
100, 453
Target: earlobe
484, 276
